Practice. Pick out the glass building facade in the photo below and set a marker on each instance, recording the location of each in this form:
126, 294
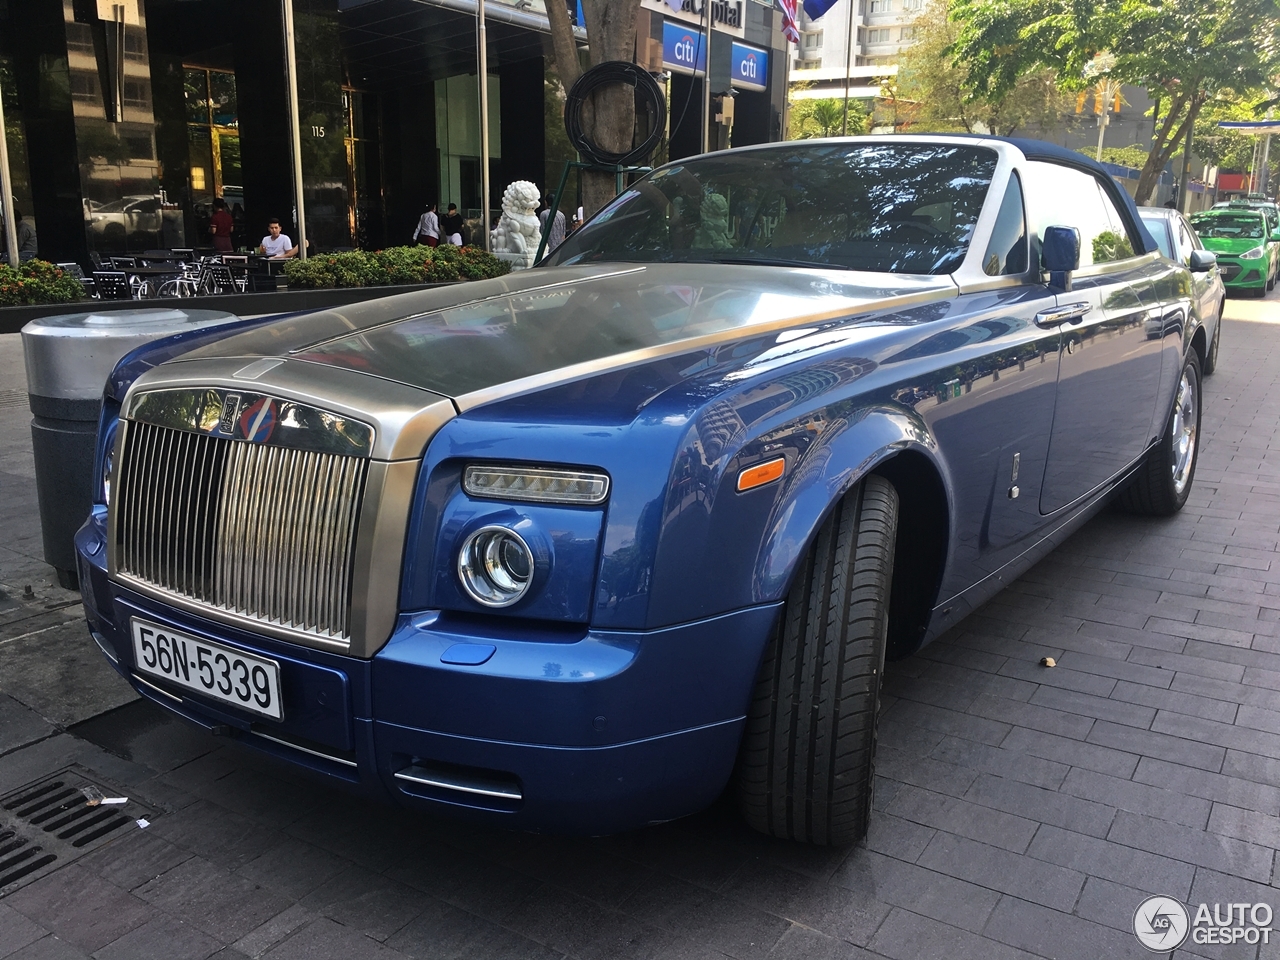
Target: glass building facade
125, 119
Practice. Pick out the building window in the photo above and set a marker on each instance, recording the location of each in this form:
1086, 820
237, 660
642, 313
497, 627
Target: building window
813, 64
913, 5
908, 33
878, 36
813, 41
881, 6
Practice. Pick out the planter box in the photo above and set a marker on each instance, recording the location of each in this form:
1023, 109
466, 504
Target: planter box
12, 319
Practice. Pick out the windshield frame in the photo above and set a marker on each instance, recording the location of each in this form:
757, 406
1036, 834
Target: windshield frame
968, 275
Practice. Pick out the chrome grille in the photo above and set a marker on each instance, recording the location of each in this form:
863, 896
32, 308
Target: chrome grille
262, 532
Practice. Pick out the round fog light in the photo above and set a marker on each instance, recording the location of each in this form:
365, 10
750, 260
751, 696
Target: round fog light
495, 566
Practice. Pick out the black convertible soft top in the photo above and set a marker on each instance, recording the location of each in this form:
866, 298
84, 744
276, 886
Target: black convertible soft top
1043, 150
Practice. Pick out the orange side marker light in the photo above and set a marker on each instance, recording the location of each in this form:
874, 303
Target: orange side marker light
761, 474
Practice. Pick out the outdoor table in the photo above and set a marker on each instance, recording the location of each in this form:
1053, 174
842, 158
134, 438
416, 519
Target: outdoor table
147, 274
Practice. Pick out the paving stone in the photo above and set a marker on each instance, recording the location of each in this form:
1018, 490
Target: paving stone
1159, 744
981, 823
217, 901
1223, 854
946, 899
1110, 861
1175, 701
801, 943
50, 948
163, 938
1001, 762
909, 936
81, 909
1137, 798
1099, 708
325, 940
1001, 870
1045, 806
261, 939
1051, 933
16, 931
1090, 756
1034, 717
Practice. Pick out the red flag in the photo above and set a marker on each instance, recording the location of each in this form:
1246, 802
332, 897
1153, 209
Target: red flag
789, 28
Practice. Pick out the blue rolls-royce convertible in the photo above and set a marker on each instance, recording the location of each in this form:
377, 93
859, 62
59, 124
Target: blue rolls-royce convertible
578, 548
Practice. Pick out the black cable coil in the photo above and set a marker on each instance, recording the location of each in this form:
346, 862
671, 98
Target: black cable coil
603, 75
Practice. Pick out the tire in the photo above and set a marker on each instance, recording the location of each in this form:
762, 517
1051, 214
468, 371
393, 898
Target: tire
807, 759
1211, 362
1162, 484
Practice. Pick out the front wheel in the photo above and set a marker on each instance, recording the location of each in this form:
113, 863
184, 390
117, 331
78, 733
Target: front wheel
1163, 482
808, 753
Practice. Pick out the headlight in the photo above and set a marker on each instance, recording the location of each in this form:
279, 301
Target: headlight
495, 566
1257, 253
539, 484
108, 462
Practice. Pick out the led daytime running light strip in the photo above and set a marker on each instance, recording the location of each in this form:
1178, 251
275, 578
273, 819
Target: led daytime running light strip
538, 484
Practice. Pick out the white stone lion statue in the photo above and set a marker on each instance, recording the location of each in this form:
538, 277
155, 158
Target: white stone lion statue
517, 230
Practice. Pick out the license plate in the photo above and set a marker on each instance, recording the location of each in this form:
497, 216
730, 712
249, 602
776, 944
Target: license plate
223, 673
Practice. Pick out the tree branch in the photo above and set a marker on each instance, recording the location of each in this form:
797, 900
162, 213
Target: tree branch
563, 46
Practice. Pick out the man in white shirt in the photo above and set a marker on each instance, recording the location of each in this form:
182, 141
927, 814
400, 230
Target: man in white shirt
428, 227
277, 245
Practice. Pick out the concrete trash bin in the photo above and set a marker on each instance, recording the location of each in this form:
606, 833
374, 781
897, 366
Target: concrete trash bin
68, 359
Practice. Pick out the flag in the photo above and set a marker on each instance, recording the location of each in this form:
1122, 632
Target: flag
816, 8
789, 28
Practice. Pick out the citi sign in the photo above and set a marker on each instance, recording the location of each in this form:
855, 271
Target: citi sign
750, 67
685, 52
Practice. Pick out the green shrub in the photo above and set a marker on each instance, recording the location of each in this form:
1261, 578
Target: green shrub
37, 281
395, 265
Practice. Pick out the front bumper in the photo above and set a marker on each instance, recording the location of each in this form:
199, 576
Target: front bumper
584, 731
1243, 274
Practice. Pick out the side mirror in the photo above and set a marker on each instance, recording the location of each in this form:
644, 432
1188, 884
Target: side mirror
1060, 255
1202, 261
1275, 234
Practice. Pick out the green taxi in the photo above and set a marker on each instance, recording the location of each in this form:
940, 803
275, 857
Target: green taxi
1247, 245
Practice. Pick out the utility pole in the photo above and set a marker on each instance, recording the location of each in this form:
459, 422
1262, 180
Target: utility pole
706, 83
482, 53
295, 129
849, 9
6, 192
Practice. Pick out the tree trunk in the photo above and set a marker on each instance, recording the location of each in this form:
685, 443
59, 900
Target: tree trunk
1166, 141
564, 48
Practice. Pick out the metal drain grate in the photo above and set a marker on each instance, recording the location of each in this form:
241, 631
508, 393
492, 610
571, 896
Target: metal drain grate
54, 821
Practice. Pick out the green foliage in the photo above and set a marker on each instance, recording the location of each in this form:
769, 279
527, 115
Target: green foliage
1132, 156
1183, 52
1109, 246
933, 94
395, 265
36, 281
1225, 148
810, 118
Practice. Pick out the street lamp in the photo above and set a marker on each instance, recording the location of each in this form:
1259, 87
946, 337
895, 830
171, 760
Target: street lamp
1100, 67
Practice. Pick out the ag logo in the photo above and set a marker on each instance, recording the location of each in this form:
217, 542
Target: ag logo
1161, 924
258, 421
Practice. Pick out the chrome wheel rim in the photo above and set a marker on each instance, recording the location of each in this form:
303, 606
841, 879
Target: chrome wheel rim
1185, 424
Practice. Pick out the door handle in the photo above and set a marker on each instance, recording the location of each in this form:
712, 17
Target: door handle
1071, 313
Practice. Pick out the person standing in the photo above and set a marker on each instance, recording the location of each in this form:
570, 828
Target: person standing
428, 229
221, 224
275, 244
556, 236
451, 223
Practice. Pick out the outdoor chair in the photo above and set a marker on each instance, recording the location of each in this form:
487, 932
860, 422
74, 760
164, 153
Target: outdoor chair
112, 285
123, 263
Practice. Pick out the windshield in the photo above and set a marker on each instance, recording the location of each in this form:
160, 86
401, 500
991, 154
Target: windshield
889, 208
1156, 227
1219, 227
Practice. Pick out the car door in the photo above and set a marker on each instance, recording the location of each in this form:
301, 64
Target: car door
1204, 284
1112, 335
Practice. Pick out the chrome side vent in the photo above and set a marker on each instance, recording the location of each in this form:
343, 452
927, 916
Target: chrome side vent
262, 532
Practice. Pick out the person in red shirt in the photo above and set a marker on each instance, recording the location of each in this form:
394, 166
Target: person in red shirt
221, 226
